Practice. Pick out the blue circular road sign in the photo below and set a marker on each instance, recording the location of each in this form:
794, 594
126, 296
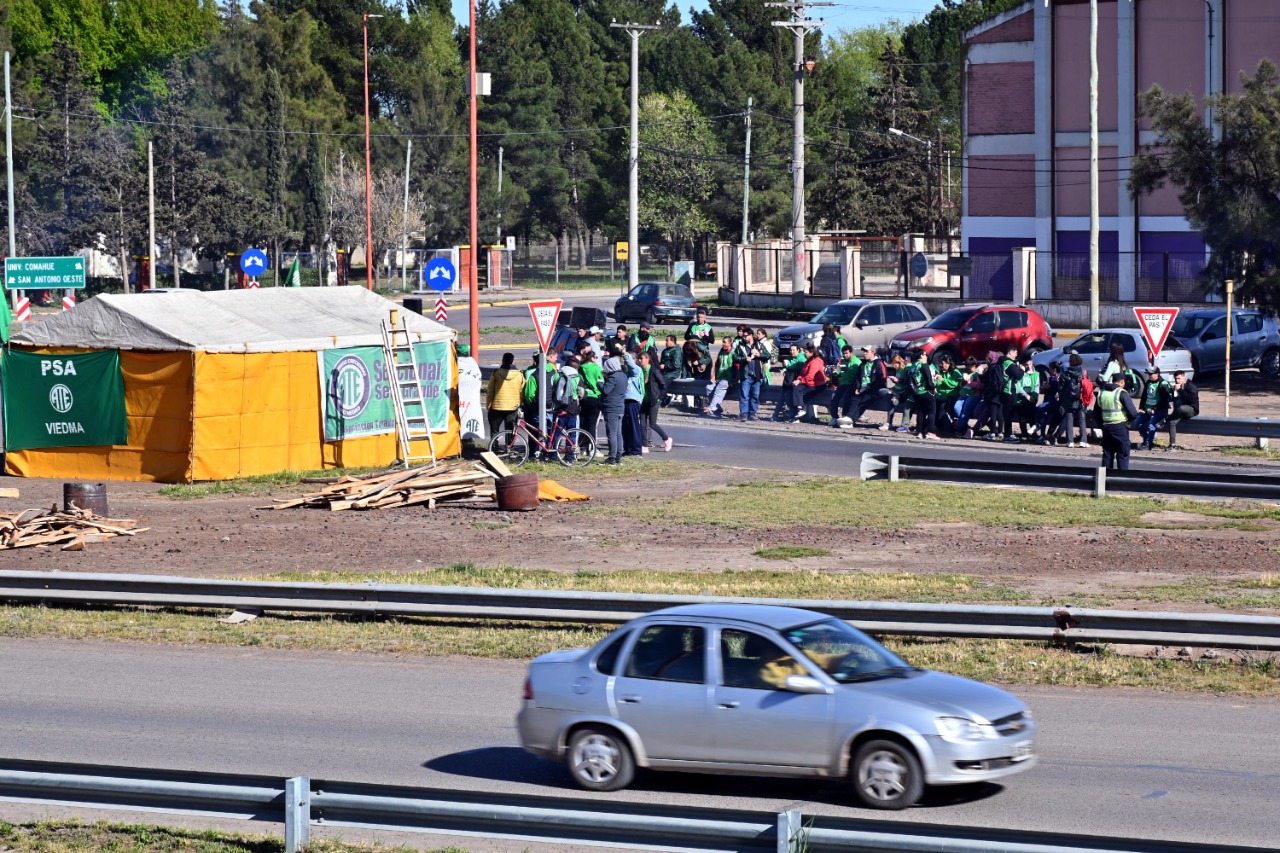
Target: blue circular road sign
253, 262
439, 274
919, 265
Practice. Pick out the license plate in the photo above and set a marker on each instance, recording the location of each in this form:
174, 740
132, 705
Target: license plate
1023, 751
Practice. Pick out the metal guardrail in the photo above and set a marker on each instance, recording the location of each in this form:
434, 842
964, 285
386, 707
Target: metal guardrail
300, 803
1046, 473
1047, 624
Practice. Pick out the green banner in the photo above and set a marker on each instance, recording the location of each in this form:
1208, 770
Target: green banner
70, 400
357, 389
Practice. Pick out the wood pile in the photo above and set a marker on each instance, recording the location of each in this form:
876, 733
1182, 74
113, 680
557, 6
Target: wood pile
457, 482
72, 529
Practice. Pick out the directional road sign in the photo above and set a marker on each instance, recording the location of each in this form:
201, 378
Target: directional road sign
544, 319
1155, 324
253, 262
42, 273
439, 274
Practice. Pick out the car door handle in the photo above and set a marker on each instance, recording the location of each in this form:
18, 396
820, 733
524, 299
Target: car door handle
631, 699
728, 705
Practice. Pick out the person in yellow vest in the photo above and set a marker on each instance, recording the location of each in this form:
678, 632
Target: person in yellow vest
504, 393
1115, 410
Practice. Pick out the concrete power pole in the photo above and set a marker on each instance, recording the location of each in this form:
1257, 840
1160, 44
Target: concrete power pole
800, 26
633, 156
746, 178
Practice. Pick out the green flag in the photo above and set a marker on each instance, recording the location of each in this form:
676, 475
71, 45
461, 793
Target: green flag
294, 276
5, 317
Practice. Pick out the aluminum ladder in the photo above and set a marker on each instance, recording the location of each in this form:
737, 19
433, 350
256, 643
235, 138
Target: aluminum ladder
412, 424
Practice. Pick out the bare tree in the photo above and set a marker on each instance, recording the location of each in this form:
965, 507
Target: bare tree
347, 210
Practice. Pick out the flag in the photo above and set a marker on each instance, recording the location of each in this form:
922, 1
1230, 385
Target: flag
294, 277
5, 317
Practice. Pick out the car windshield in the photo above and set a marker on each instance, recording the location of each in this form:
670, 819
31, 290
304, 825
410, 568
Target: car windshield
1190, 324
845, 653
839, 315
950, 321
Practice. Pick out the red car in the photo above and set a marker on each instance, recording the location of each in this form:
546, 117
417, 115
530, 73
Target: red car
976, 330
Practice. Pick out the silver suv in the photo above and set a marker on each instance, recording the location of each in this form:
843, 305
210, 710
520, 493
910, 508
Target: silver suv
765, 690
862, 322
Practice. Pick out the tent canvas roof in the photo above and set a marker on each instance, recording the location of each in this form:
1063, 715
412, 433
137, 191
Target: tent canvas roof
277, 319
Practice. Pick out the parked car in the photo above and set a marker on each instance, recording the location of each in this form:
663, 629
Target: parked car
976, 330
1094, 347
1255, 339
765, 690
653, 302
862, 322
826, 280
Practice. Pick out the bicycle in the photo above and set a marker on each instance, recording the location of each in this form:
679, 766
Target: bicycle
570, 447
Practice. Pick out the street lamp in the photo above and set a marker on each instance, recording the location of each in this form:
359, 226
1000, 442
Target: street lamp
368, 164
928, 166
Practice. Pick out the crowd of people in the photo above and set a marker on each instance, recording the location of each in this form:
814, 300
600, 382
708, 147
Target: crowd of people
627, 379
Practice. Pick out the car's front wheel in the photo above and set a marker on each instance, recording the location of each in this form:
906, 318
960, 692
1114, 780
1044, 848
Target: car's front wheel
600, 760
1270, 364
887, 775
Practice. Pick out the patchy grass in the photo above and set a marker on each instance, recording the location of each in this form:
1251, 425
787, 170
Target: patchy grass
643, 469
490, 525
74, 836
1251, 452
260, 484
790, 552
855, 503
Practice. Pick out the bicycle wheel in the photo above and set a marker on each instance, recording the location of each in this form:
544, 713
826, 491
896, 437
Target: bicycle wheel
511, 448
575, 448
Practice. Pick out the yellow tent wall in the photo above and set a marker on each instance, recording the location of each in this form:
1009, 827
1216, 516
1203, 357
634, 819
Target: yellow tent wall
157, 400
217, 416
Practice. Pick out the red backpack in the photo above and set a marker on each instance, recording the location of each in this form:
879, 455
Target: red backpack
1086, 392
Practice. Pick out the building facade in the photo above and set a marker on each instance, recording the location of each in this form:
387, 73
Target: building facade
1026, 139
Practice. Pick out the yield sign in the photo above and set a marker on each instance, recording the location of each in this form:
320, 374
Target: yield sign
544, 319
1155, 324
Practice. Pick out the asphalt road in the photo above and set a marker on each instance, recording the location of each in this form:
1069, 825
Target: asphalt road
1114, 763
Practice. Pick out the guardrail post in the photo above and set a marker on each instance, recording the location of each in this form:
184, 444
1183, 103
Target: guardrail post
297, 813
790, 838
1099, 482
1262, 442
893, 469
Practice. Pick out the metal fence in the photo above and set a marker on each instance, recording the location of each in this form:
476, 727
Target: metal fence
1157, 277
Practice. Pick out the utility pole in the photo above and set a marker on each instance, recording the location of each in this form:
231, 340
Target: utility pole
800, 26
942, 195
404, 248
8, 145
499, 193
1094, 308
633, 157
151, 219
746, 176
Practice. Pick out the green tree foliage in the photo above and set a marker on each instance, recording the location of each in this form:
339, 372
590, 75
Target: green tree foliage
1230, 185
676, 176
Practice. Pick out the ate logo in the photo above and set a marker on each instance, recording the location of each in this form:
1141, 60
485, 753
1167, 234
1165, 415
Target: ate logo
60, 398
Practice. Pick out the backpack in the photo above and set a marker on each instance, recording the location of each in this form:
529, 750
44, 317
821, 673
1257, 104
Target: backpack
1086, 392
915, 379
1070, 387
564, 392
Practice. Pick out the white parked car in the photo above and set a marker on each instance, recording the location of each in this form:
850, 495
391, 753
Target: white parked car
1094, 348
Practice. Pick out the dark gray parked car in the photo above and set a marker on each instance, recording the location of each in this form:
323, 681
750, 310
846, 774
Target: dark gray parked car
1255, 340
655, 302
767, 691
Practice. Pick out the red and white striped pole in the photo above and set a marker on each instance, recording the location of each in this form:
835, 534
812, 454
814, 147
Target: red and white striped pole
22, 310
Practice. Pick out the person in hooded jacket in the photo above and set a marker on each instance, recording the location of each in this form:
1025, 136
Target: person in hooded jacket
1071, 403
655, 388
613, 397
632, 435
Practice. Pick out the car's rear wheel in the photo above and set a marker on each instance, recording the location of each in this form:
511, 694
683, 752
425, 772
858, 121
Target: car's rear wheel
887, 775
948, 352
600, 760
1270, 364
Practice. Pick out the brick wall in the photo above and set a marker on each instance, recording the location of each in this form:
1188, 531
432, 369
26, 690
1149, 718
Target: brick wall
1002, 98
1021, 28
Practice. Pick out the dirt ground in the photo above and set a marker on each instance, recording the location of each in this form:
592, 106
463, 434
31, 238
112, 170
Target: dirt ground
221, 536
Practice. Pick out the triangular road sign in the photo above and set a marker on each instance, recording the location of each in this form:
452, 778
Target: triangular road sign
544, 319
1155, 324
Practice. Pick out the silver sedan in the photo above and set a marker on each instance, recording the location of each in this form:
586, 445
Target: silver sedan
768, 691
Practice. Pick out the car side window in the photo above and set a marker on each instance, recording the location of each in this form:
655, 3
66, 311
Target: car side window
1248, 324
1091, 344
893, 314
1129, 342
669, 653
914, 314
754, 662
1217, 330
1013, 319
646, 291
607, 660
872, 315
984, 322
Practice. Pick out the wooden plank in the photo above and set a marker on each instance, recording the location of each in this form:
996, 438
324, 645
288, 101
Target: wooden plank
8, 493
499, 467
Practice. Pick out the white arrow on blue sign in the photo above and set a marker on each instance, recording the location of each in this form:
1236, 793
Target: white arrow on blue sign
253, 262
439, 274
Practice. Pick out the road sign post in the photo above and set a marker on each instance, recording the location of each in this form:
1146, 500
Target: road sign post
254, 263
544, 315
1155, 324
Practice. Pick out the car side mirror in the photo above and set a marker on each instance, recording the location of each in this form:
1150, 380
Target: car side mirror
805, 684
861, 323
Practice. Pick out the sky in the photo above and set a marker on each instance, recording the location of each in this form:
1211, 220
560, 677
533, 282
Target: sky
841, 16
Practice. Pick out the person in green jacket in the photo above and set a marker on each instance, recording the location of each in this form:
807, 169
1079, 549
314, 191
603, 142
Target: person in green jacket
792, 361
592, 382
721, 378
846, 379
949, 379
529, 397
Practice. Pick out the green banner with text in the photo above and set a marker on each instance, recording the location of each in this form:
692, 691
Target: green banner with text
69, 400
357, 389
